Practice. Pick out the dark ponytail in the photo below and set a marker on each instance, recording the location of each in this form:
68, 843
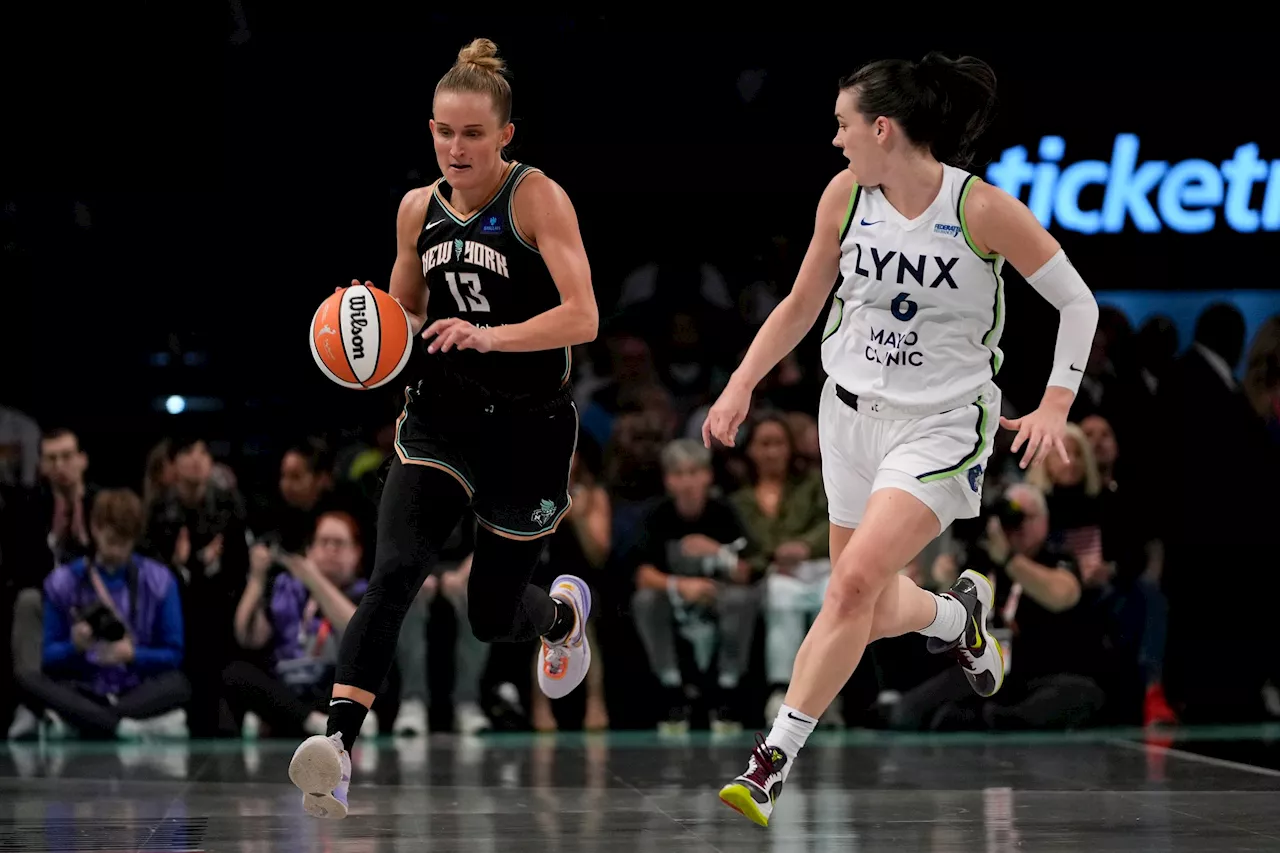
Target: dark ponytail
945, 104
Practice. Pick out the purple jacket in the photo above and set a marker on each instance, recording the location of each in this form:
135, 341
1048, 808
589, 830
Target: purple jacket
305, 650
157, 627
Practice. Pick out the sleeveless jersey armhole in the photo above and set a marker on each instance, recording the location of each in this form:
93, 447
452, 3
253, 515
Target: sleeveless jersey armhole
991, 339
511, 211
964, 222
854, 195
426, 208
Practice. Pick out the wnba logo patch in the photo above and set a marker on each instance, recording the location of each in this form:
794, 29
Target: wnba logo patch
949, 230
975, 478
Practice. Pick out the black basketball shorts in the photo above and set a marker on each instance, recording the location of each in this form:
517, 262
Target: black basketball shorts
512, 463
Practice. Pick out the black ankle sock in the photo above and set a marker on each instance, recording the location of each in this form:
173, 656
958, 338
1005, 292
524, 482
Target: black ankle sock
346, 716
563, 623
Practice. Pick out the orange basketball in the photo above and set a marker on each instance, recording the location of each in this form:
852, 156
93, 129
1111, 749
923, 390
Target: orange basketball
361, 337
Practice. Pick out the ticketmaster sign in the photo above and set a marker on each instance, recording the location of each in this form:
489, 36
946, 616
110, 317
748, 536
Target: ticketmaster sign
1190, 197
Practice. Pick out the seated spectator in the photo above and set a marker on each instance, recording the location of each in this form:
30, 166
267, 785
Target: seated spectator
692, 577
309, 489
300, 613
61, 505
113, 635
1073, 492
65, 498
449, 576
1133, 594
785, 513
197, 528
1053, 646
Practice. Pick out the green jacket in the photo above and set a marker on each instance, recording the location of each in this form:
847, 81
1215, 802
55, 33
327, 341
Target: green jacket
802, 516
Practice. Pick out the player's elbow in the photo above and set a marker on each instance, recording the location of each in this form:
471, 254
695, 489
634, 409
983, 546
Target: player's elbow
586, 322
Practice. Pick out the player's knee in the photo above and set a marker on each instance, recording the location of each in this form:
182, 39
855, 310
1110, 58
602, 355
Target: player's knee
855, 586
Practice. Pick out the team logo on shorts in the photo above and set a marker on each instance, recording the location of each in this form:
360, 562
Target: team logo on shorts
544, 512
975, 478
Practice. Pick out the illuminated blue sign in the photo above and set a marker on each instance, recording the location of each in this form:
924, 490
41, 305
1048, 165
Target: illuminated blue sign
1186, 197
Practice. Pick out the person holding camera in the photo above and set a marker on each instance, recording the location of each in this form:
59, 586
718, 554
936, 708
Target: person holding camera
693, 577
1053, 647
113, 635
295, 608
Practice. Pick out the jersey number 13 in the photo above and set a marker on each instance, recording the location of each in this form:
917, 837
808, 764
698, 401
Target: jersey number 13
465, 288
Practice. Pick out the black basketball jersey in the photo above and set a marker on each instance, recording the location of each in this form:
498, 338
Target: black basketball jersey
478, 268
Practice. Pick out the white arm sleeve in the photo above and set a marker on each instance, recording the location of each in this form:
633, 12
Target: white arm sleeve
1059, 283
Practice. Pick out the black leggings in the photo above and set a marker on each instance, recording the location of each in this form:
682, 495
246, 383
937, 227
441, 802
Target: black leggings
93, 715
419, 508
249, 688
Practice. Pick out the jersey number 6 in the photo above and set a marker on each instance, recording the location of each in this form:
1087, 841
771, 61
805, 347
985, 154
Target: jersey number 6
471, 288
902, 307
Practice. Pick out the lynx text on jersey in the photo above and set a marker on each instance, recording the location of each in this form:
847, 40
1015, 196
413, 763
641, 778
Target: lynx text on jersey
918, 268
1188, 194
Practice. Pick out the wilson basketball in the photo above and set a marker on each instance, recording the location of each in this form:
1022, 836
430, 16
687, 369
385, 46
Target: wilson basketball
361, 337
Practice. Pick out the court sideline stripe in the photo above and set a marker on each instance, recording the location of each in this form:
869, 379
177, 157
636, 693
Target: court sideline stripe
1193, 756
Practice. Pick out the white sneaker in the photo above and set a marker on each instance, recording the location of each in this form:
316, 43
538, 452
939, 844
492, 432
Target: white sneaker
321, 769
468, 719
25, 724
316, 723
565, 664
411, 721
170, 725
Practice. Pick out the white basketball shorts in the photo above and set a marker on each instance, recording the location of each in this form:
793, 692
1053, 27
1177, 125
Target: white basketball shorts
938, 458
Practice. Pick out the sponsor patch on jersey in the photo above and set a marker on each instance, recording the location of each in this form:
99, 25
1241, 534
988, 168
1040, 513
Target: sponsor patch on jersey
949, 230
492, 224
975, 478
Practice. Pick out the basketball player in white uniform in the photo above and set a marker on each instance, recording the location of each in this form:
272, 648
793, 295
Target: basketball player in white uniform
911, 348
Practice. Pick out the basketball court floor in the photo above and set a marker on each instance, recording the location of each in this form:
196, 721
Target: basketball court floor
1203, 790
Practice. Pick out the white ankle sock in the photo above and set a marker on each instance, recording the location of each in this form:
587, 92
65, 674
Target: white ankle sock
949, 621
790, 731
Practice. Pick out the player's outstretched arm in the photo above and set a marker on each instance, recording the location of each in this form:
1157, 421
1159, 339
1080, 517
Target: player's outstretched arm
792, 319
408, 285
1000, 224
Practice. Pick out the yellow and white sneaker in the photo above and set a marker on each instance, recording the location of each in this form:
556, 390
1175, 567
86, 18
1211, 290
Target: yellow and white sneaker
565, 664
755, 792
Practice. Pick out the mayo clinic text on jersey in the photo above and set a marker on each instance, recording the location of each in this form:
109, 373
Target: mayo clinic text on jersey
1186, 197
890, 348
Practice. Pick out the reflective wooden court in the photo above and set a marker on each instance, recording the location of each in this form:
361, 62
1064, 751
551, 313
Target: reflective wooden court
1205, 790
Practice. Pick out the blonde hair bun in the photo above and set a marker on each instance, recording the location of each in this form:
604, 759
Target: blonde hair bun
481, 53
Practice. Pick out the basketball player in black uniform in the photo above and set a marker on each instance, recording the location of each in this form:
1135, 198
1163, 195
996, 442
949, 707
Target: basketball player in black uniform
491, 267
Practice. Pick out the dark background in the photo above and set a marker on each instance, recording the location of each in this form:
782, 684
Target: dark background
179, 195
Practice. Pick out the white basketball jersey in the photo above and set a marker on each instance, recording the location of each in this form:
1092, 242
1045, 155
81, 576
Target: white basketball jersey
918, 313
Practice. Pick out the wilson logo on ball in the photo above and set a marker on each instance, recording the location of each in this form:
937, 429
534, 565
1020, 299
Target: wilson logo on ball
361, 337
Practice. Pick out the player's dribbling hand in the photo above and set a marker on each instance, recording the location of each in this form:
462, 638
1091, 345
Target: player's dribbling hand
726, 416
454, 332
1042, 430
